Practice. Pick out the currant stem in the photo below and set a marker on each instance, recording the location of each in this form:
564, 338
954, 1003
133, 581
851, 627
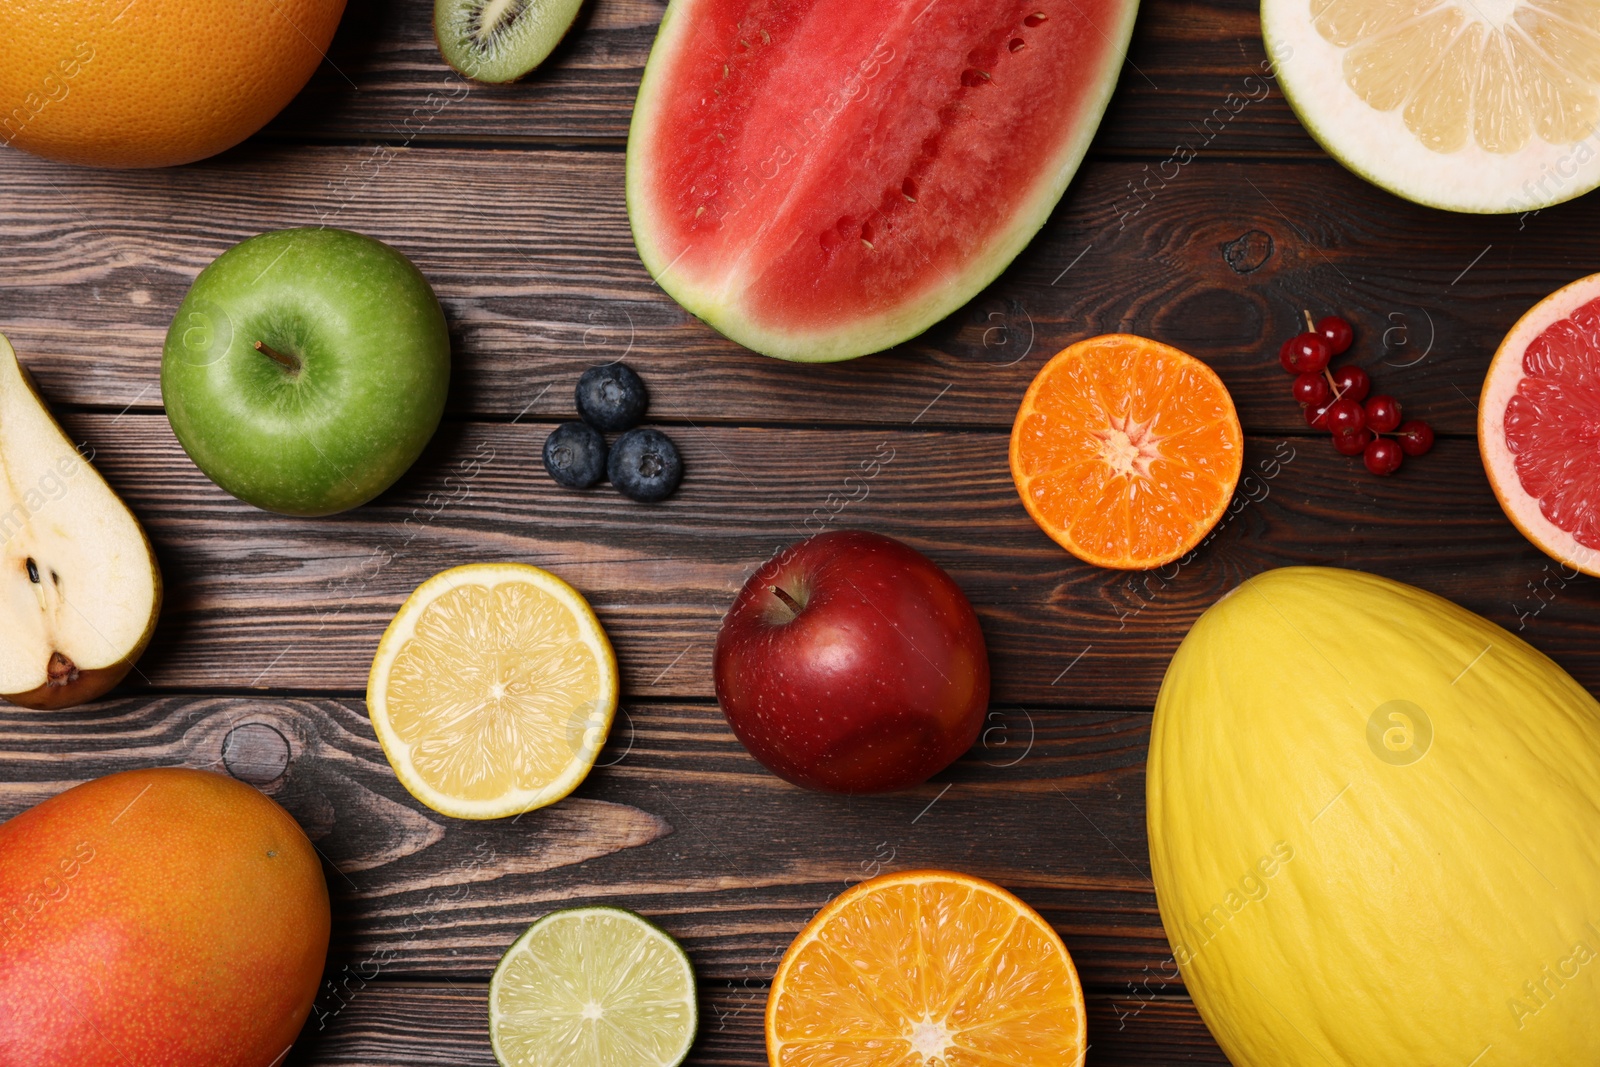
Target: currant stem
1311, 327
288, 361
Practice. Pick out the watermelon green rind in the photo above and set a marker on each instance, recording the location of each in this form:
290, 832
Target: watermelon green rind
720, 302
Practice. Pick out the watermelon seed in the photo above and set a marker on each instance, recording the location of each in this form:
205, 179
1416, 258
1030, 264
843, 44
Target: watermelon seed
1017, 43
744, 43
866, 233
766, 38
908, 189
972, 77
1035, 18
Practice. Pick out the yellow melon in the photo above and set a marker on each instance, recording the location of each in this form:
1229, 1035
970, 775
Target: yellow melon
1375, 831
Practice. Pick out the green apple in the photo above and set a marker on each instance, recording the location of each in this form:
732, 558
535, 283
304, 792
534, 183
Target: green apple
306, 369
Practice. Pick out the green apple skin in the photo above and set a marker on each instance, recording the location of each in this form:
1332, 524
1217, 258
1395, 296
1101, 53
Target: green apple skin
374, 368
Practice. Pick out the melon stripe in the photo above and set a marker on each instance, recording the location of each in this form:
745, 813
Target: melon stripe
820, 179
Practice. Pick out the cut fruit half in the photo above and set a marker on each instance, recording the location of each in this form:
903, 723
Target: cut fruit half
1539, 424
826, 178
1126, 451
592, 987
79, 586
499, 41
493, 690
1466, 105
926, 969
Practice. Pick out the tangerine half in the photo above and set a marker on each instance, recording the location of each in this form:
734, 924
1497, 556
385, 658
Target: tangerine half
1126, 451
926, 969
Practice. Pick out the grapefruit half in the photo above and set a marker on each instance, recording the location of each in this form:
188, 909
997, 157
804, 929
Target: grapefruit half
820, 179
1468, 105
1539, 424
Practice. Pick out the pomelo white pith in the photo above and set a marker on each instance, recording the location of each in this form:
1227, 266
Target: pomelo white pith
1488, 106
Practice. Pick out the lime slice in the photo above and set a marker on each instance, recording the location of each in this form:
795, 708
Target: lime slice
592, 987
492, 690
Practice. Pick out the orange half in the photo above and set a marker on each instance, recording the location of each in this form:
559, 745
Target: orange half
1126, 451
926, 969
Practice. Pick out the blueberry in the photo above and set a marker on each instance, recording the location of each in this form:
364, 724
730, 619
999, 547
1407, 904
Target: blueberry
575, 455
612, 397
645, 466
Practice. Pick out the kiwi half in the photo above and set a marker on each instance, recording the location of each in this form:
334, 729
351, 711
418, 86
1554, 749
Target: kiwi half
500, 40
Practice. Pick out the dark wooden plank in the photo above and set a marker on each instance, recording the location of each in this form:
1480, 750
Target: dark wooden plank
676, 821
533, 258
387, 1024
296, 604
385, 82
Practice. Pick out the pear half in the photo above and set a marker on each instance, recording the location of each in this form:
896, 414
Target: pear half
79, 586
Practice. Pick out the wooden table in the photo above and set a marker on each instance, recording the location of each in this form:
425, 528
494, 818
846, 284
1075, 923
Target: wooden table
511, 202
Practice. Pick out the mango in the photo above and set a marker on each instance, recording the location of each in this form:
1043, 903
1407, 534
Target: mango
157, 918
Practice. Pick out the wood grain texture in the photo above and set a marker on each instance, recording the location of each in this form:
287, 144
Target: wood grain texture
676, 822
259, 600
386, 1024
533, 258
386, 82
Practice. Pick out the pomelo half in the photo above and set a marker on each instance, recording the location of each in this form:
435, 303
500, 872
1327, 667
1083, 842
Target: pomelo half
1539, 424
820, 179
1468, 105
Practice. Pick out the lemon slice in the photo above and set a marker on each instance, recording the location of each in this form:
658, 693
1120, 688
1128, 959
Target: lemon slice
1468, 105
592, 987
492, 690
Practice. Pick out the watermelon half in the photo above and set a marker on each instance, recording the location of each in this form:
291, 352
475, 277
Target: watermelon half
820, 179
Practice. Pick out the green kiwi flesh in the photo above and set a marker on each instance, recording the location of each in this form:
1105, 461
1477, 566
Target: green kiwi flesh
500, 40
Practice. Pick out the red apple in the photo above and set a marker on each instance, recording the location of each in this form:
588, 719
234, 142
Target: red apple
851, 663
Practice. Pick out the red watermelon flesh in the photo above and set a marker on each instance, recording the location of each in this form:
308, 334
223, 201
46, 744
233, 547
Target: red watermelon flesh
820, 179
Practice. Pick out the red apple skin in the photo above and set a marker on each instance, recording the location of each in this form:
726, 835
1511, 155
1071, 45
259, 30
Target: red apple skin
879, 682
157, 918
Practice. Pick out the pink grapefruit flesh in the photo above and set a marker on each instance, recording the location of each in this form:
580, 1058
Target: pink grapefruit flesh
1539, 425
820, 179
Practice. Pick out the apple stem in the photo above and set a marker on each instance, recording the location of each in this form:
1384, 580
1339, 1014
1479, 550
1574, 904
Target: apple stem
790, 602
287, 361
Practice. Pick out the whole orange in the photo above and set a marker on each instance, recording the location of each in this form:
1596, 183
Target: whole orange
159, 918
152, 83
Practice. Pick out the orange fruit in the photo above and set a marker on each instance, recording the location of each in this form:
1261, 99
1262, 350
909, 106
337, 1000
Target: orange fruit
1539, 424
1126, 451
926, 969
152, 83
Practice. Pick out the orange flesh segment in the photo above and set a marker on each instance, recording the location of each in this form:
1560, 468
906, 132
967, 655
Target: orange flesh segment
1126, 451
926, 968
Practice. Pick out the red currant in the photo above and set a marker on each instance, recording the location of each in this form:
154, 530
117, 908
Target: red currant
1346, 416
1304, 353
1351, 382
1317, 415
1312, 389
1335, 331
1352, 444
1383, 456
1416, 437
1383, 413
